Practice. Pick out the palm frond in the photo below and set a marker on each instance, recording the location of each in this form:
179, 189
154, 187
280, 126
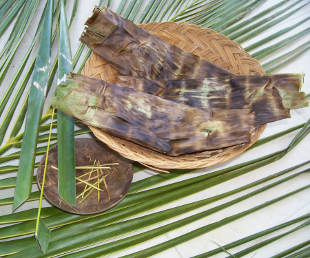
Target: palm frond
18, 34
286, 58
291, 251
244, 30
265, 52
173, 191
230, 17
10, 182
185, 237
29, 214
268, 25
35, 107
270, 240
65, 126
33, 196
253, 237
100, 234
275, 35
246, 22
9, 13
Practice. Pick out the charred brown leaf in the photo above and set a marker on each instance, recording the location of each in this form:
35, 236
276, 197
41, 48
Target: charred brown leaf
162, 125
269, 97
135, 52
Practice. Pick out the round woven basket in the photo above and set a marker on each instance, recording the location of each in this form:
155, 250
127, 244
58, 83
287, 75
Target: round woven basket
205, 43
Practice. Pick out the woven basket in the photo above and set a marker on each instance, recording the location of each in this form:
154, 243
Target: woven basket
205, 43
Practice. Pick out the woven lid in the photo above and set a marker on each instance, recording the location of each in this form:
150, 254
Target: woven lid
205, 43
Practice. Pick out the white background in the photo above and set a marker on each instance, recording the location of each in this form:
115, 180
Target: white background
278, 213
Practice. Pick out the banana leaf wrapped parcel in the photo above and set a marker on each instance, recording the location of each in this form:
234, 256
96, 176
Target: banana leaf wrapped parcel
149, 64
133, 51
269, 97
162, 125
167, 99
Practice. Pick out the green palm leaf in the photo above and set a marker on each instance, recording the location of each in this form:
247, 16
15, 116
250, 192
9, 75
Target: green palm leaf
9, 13
35, 106
291, 251
99, 235
252, 237
65, 127
230, 17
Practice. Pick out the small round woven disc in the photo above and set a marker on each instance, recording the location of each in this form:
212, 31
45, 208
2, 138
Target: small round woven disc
112, 184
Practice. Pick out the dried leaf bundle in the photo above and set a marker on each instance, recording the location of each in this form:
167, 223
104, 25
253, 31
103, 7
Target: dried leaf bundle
165, 126
135, 52
167, 99
269, 97
159, 68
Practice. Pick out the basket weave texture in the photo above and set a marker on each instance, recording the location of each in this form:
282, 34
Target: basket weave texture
205, 43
